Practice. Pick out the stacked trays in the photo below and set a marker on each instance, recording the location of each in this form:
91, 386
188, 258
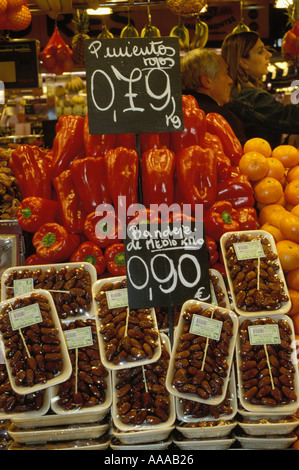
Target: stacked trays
50, 414
266, 361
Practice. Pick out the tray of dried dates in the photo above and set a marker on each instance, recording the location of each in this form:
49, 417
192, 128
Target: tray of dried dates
141, 400
254, 273
267, 367
35, 349
126, 337
202, 352
89, 386
69, 284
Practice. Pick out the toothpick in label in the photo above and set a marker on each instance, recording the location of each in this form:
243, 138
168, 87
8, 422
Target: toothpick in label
207, 327
264, 335
75, 339
251, 250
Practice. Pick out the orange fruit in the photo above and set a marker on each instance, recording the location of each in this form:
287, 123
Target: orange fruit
291, 192
19, 18
294, 297
276, 169
295, 210
292, 279
289, 227
288, 253
268, 190
272, 214
287, 154
256, 144
254, 165
275, 232
293, 173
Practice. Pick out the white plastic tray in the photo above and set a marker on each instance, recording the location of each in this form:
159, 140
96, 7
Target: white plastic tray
232, 396
287, 409
256, 428
108, 364
88, 431
149, 446
58, 420
142, 427
87, 266
99, 410
67, 366
178, 332
242, 311
145, 436
204, 444
266, 443
33, 415
217, 430
222, 285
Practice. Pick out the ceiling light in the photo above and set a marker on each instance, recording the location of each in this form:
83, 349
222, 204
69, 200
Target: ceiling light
99, 11
283, 3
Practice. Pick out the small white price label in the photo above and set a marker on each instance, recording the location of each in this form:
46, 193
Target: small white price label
249, 250
79, 337
23, 286
264, 334
207, 327
25, 316
117, 298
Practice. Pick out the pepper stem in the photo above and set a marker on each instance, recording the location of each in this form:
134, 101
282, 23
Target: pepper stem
90, 259
49, 239
226, 217
119, 259
27, 212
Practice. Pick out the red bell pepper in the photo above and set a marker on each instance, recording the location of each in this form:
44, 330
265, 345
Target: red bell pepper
33, 260
115, 259
153, 140
33, 212
68, 142
90, 253
97, 145
122, 174
53, 243
237, 190
248, 218
73, 214
218, 125
223, 162
126, 140
103, 229
144, 215
32, 171
219, 219
195, 126
157, 167
89, 176
196, 169
212, 250
220, 268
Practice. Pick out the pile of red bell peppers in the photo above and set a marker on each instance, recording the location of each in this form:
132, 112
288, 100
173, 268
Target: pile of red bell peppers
62, 187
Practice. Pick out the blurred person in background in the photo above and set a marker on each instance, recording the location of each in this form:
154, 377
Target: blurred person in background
205, 76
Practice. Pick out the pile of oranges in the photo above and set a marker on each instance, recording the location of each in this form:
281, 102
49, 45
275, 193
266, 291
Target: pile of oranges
274, 175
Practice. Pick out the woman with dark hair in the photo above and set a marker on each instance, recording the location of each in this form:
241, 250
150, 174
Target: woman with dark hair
262, 115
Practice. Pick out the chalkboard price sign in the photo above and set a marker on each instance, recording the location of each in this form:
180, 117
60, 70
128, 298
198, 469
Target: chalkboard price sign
166, 265
133, 85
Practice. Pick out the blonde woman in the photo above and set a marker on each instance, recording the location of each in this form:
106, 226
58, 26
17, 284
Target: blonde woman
262, 115
205, 76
